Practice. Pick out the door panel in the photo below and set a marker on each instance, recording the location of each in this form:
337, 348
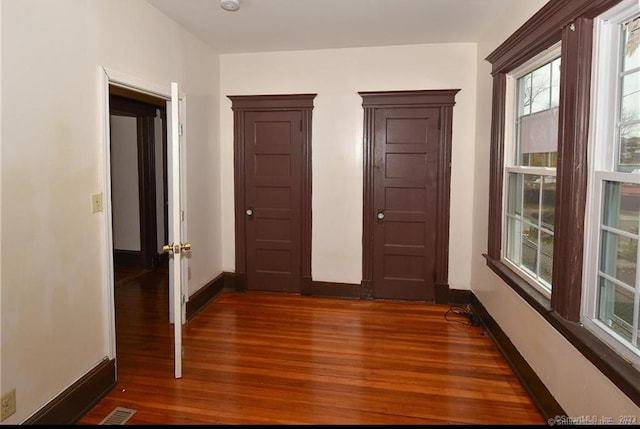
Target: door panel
176, 225
405, 189
273, 160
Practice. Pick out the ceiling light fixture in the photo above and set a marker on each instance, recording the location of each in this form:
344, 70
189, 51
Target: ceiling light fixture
230, 5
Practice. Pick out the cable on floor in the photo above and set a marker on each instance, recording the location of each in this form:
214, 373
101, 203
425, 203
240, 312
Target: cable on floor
463, 315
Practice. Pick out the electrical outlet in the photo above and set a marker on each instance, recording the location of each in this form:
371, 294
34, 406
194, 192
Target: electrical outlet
8, 404
96, 203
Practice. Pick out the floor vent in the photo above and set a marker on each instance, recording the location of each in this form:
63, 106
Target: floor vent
118, 416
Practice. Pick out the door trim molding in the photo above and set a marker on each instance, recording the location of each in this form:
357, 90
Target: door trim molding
269, 103
112, 77
444, 99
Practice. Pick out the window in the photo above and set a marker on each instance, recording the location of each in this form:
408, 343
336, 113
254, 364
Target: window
531, 153
612, 287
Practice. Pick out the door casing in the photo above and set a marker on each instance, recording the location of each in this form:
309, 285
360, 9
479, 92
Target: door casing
444, 100
242, 104
114, 77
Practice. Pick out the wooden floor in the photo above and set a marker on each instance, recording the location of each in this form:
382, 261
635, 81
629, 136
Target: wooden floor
273, 358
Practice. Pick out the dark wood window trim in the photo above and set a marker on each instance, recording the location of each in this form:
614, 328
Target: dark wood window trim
265, 103
443, 99
571, 22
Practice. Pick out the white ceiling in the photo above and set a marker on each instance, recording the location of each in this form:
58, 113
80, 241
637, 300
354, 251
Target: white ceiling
278, 25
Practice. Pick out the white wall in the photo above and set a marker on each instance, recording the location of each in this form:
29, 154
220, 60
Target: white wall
336, 76
577, 385
54, 301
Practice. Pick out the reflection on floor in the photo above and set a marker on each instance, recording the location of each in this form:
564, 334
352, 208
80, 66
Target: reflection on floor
124, 274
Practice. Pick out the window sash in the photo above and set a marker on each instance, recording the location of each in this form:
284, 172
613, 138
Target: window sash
514, 221
594, 273
606, 168
512, 161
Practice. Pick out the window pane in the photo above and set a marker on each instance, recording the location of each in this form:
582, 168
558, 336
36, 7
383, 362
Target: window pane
526, 245
631, 55
514, 195
537, 121
618, 257
621, 206
548, 217
513, 240
524, 95
629, 99
546, 256
541, 89
630, 103
615, 307
542, 159
629, 147
530, 248
555, 83
531, 198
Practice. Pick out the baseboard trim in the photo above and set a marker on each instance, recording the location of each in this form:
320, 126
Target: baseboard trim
442, 293
74, 402
310, 287
366, 289
201, 298
542, 398
460, 296
331, 289
128, 258
230, 280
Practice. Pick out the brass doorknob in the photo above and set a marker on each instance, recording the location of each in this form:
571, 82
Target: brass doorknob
175, 248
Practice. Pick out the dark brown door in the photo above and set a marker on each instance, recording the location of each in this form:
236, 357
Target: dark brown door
405, 190
407, 176
272, 185
273, 161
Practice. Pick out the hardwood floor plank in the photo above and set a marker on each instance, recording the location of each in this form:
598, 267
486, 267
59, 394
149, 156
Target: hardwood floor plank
278, 358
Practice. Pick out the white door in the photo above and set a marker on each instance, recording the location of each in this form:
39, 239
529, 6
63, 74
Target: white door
176, 247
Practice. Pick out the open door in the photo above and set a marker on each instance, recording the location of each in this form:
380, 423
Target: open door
176, 248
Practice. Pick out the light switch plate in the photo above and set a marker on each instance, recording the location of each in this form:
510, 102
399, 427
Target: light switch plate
96, 202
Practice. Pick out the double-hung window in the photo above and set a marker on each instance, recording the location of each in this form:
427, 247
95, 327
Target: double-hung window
611, 302
564, 183
531, 153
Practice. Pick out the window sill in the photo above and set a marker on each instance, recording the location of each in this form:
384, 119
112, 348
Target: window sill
621, 373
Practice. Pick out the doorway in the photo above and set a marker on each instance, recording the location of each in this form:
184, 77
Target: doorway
407, 170
138, 179
139, 206
272, 172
